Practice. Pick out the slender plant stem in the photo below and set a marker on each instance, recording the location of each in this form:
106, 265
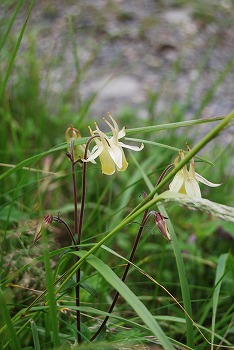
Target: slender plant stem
61, 221
73, 163
78, 222
143, 222
76, 228
82, 204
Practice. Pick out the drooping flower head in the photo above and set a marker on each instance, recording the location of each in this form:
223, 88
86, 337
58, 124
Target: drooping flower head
110, 149
186, 181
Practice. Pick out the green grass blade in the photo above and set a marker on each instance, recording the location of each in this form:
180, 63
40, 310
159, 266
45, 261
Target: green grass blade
162, 145
35, 336
14, 341
170, 126
4, 38
10, 65
53, 312
218, 280
135, 131
130, 297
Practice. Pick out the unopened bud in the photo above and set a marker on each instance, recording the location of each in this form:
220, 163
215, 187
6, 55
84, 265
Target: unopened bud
78, 151
72, 133
162, 225
45, 223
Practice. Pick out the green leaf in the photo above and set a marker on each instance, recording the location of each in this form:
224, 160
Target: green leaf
13, 339
220, 271
89, 288
35, 336
11, 61
10, 24
130, 297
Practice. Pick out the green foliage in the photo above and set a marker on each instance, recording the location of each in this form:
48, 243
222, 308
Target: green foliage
176, 293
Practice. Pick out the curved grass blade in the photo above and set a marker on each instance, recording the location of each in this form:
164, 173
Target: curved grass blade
135, 131
14, 341
153, 128
4, 37
35, 336
10, 65
130, 297
220, 271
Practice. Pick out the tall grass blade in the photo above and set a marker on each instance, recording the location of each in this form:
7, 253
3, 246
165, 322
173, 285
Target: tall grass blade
35, 336
218, 281
11, 22
14, 341
53, 312
169, 126
11, 62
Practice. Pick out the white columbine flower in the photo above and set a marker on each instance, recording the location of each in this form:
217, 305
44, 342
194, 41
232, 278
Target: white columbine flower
110, 149
186, 182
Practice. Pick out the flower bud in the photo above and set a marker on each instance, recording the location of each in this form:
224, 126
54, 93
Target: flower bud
44, 223
72, 133
162, 225
77, 150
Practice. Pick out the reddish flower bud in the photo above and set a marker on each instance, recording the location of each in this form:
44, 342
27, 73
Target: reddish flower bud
45, 223
162, 225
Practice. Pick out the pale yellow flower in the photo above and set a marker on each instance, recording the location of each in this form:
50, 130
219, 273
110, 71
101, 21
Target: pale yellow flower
186, 182
110, 149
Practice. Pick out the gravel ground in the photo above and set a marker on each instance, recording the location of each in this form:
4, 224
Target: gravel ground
130, 50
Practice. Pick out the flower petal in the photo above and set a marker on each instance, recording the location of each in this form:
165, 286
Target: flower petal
114, 129
114, 123
133, 148
204, 181
116, 154
97, 152
192, 188
121, 133
177, 182
124, 162
107, 163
